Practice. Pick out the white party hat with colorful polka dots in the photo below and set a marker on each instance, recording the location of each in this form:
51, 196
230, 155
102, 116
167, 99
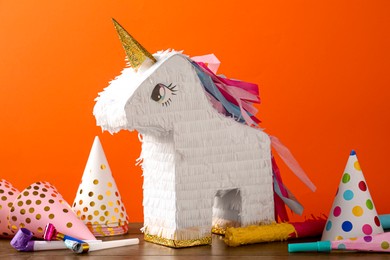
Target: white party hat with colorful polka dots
353, 212
98, 202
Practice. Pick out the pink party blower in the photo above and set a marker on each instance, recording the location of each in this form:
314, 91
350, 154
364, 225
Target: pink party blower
373, 243
51, 233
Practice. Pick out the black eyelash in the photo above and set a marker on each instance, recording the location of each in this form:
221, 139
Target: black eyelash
172, 88
168, 102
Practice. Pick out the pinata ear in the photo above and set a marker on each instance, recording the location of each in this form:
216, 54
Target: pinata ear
135, 52
353, 213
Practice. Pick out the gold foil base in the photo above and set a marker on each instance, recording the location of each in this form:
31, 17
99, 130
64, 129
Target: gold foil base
177, 243
218, 230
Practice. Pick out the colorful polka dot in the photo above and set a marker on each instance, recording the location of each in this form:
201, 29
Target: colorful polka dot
357, 211
348, 195
336, 211
385, 245
346, 178
362, 186
356, 165
367, 229
341, 246
369, 204
338, 238
347, 226
377, 221
368, 239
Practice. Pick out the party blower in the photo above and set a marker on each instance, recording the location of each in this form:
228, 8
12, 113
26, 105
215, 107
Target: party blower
22, 241
51, 233
84, 247
373, 243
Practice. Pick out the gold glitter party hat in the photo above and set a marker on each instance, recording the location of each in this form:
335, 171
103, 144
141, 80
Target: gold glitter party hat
136, 54
98, 202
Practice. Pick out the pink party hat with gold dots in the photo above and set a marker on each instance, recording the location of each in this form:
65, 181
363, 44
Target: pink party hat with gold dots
40, 204
353, 213
98, 202
7, 196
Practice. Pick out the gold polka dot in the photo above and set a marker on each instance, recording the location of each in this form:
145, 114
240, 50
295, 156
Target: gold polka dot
22, 211
109, 184
92, 203
36, 188
69, 225
78, 213
42, 195
31, 210
103, 207
38, 202
100, 197
96, 182
80, 202
14, 227
10, 204
28, 202
116, 194
96, 212
90, 217
116, 210
65, 210
38, 216
118, 202
108, 193
85, 209
81, 191
20, 203
106, 213
14, 218
113, 218
51, 216
28, 220
21, 225
102, 166
26, 193
110, 203
47, 208
35, 193
101, 218
40, 230
83, 217
51, 201
90, 193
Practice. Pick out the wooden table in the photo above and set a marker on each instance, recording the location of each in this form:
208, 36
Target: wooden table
218, 250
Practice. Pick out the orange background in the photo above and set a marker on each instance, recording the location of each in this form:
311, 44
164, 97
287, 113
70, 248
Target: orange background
322, 68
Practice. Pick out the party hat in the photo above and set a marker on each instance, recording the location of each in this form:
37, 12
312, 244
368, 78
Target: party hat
98, 202
353, 213
7, 195
40, 204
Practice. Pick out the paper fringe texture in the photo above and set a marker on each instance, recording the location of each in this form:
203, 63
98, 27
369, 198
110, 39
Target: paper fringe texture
190, 152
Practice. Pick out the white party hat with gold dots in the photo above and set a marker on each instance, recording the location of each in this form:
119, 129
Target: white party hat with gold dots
98, 202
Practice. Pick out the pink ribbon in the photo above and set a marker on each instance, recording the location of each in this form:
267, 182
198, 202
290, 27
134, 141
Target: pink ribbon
291, 162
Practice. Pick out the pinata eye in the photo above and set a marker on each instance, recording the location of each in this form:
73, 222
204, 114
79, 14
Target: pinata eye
162, 94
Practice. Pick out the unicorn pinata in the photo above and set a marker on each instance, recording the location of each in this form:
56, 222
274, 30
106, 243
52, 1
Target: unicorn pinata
206, 163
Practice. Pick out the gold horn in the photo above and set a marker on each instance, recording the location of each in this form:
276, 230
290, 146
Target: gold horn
136, 54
